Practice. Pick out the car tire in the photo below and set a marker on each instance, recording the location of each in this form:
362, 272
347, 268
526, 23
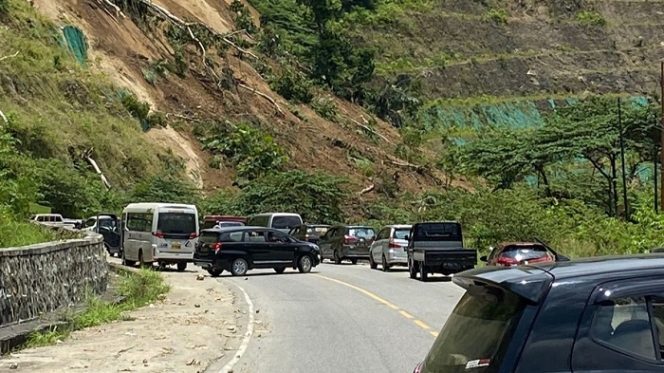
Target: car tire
305, 263
128, 263
412, 269
141, 262
423, 273
372, 263
215, 272
354, 261
239, 267
384, 265
280, 270
337, 258
182, 267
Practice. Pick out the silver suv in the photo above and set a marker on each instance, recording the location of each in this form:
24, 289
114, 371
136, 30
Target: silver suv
390, 247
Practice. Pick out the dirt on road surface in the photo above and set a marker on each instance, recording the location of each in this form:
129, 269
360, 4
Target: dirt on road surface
198, 324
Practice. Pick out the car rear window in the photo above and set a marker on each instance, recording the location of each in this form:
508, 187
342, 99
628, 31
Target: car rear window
209, 237
481, 323
285, 222
437, 232
177, 223
366, 233
401, 234
318, 230
524, 252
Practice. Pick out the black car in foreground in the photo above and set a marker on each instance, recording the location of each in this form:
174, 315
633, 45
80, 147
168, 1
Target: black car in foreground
598, 315
239, 249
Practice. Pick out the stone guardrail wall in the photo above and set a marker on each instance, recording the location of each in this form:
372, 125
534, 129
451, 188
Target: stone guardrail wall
45, 277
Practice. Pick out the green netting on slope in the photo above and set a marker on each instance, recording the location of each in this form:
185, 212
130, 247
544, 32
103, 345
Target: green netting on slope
76, 42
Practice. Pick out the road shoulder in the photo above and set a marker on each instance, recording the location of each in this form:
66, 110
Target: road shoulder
198, 323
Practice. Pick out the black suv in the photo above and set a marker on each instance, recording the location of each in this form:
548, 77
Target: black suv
239, 249
597, 315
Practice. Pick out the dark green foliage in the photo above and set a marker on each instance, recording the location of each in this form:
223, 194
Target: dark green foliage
4, 7
326, 108
293, 86
169, 189
242, 17
141, 111
251, 150
318, 197
397, 100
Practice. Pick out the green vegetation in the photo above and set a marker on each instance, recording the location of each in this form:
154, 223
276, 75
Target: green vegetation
138, 289
167, 189
249, 149
14, 233
590, 18
498, 16
242, 17
293, 85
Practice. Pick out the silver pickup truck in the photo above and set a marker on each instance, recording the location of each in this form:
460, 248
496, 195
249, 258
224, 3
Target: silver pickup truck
437, 247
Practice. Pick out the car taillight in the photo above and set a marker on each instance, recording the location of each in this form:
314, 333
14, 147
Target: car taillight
193, 235
159, 234
418, 368
349, 240
393, 245
504, 261
217, 247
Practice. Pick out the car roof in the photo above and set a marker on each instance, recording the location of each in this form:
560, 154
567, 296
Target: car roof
399, 226
530, 281
505, 244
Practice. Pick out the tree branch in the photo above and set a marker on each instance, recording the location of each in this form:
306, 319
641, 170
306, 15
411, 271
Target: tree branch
9, 56
200, 45
4, 118
118, 11
259, 93
368, 189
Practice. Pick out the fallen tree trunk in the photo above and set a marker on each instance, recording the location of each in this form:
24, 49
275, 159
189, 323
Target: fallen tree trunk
94, 165
118, 11
202, 48
368, 189
4, 118
9, 56
261, 94
369, 129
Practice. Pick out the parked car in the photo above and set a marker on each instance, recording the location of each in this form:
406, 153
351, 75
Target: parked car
240, 249
346, 242
390, 247
108, 225
600, 315
165, 233
52, 220
309, 232
281, 221
437, 247
210, 221
518, 253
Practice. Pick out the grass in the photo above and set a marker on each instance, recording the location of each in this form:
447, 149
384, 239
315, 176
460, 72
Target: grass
590, 18
139, 289
14, 233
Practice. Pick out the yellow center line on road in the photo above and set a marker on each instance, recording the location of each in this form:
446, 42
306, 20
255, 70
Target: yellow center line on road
421, 324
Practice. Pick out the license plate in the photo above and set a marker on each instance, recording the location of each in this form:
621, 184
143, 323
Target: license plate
176, 246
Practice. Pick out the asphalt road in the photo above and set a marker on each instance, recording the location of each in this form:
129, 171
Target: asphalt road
343, 318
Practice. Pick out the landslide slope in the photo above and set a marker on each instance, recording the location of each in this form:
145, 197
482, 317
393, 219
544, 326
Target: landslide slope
225, 84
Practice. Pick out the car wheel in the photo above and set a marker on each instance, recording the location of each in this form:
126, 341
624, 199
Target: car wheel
305, 264
386, 267
182, 267
372, 264
423, 273
412, 269
337, 258
128, 263
239, 267
354, 261
280, 270
141, 262
215, 272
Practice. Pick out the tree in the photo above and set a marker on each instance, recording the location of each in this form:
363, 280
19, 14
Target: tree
169, 189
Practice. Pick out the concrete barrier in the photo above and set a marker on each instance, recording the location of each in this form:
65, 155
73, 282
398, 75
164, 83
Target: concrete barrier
43, 278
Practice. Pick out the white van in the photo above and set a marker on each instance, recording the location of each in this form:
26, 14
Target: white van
281, 221
165, 233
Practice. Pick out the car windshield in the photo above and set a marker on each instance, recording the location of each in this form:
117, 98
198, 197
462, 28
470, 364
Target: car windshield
366, 233
438, 232
401, 234
285, 222
524, 252
481, 322
177, 222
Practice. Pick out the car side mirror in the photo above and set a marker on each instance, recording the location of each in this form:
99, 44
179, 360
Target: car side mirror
484, 258
562, 258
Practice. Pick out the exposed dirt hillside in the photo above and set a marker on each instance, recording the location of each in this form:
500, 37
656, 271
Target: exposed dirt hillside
125, 46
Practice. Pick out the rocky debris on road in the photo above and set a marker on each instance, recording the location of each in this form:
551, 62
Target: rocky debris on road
200, 277
190, 343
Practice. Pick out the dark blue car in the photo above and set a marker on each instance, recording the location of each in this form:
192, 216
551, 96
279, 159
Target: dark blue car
596, 315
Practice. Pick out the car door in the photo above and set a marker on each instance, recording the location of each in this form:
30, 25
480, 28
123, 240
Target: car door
325, 243
377, 246
282, 248
256, 245
622, 329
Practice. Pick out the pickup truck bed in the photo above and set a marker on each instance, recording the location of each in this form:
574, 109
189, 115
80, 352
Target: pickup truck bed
445, 261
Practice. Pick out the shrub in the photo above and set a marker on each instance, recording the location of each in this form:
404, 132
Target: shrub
4, 7
292, 86
251, 150
590, 18
498, 16
242, 17
326, 108
142, 288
